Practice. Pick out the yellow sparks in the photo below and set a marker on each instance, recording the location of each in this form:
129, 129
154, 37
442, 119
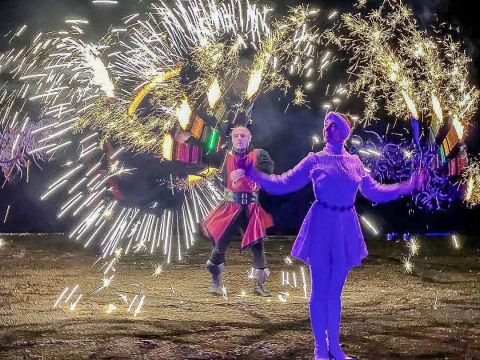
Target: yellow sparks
407, 153
158, 270
459, 128
254, 82
300, 97
111, 308
410, 105
106, 282
407, 264
213, 93
413, 246
118, 253
469, 192
437, 108
108, 214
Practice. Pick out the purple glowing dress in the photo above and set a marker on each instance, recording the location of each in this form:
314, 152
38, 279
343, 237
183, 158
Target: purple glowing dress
331, 229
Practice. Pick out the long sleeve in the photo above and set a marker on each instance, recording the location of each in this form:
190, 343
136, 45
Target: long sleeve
265, 163
381, 193
289, 181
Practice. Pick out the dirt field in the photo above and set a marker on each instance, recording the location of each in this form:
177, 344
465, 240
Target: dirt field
433, 313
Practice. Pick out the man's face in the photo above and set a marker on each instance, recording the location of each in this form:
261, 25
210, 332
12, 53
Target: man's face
241, 138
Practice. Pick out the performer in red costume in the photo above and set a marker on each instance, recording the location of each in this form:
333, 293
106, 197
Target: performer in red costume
240, 211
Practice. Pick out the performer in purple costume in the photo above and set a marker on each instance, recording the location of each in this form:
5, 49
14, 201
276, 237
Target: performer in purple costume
330, 240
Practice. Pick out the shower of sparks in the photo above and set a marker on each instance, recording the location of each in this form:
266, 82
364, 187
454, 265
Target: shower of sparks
94, 94
455, 242
407, 264
396, 63
304, 282
471, 181
3, 243
370, 225
243, 294
111, 308
106, 282
7, 211
158, 270
413, 246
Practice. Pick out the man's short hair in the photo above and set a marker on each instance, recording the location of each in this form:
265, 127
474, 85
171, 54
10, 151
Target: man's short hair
241, 127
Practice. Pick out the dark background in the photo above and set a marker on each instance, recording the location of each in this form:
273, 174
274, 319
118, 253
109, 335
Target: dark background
286, 136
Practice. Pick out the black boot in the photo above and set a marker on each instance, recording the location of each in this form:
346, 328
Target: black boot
259, 278
216, 271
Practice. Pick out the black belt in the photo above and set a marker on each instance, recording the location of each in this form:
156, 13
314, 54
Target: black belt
243, 198
334, 207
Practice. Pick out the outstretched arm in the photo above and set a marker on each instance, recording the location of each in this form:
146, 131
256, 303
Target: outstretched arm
289, 181
381, 193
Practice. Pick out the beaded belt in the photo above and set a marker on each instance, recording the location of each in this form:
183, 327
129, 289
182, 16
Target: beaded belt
334, 207
243, 198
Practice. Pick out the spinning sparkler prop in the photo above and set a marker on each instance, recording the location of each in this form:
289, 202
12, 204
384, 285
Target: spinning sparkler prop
167, 85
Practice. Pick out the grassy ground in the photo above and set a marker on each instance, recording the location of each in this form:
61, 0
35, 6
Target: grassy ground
431, 314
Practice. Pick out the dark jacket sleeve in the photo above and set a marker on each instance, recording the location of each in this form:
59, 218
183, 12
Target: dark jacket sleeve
264, 163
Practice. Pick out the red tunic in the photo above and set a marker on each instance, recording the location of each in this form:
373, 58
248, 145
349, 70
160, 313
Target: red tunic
217, 222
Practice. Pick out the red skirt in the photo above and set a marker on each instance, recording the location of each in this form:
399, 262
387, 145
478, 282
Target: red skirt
217, 222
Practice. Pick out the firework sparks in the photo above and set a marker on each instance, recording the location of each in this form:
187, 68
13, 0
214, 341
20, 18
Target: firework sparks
471, 181
369, 224
111, 308
413, 246
158, 270
455, 242
395, 62
408, 265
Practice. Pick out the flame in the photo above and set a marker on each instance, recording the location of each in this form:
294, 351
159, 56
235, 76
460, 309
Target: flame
459, 128
254, 82
437, 109
410, 104
167, 147
183, 113
213, 93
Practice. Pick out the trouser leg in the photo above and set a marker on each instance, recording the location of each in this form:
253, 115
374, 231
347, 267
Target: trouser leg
258, 251
338, 276
319, 283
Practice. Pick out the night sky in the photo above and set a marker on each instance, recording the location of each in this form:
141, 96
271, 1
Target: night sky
287, 141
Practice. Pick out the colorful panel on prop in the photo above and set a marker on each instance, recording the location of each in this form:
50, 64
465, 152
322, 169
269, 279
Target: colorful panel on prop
457, 165
198, 126
213, 141
175, 151
452, 138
